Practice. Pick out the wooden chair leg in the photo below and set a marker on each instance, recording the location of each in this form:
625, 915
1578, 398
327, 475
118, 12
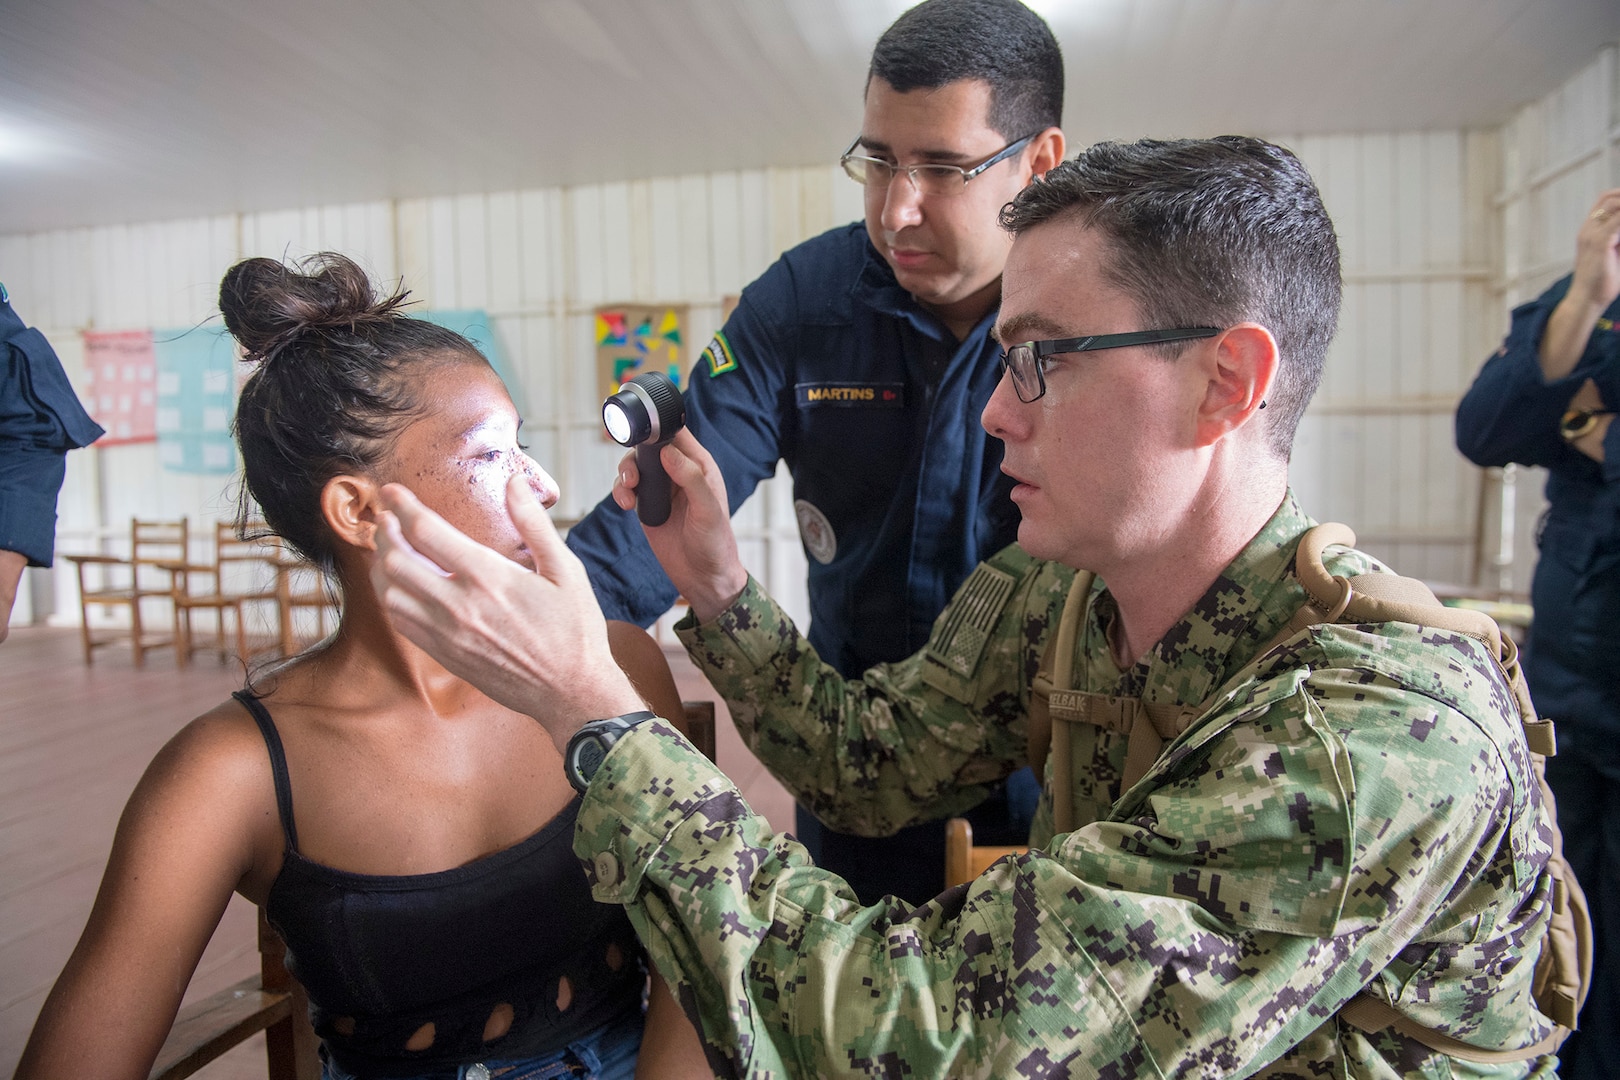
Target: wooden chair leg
84, 617
291, 1045
136, 632
182, 636
241, 631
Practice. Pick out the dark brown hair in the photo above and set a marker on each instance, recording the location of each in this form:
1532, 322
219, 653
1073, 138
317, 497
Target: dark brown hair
1001, 42
1209, 232
334, 384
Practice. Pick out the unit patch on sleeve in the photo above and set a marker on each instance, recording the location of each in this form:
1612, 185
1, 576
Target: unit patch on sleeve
719, 356
888, 395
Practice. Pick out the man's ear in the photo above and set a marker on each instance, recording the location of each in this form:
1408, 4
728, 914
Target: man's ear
349, 504
1241, 368
1046, 151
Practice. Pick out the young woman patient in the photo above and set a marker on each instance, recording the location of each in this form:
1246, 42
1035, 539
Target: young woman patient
410, 839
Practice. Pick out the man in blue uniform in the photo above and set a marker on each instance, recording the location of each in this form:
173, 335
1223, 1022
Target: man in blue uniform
40, 421
863, 359
1548, 398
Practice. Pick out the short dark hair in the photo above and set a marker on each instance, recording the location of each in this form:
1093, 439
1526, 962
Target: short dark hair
1000, 41
1210, 232
336, 378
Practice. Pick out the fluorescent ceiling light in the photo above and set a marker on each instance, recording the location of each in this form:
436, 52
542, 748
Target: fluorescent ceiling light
25, 144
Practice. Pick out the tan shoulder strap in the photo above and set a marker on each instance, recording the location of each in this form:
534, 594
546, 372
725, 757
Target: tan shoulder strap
1062, 682
1372, 1014
1055, 705
1376, 598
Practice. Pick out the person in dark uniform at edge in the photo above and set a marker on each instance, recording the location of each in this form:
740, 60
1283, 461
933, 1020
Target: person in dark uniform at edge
40, 421
863, 358
1548, 398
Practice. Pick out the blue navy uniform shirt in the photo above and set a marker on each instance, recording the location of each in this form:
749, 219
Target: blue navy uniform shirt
829, 365
1511, 414
40, 421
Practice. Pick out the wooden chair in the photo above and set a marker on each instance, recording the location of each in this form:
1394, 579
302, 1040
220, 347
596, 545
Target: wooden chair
700, 726
963, 860
132, 583
271, 1002
243, 572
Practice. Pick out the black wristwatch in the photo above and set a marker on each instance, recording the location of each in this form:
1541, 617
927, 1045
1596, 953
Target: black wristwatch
1579, 422
590, 745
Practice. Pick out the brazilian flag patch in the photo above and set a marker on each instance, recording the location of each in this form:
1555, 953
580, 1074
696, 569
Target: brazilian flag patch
719, 355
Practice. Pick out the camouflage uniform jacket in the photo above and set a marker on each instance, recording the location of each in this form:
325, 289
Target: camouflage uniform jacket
1355, 806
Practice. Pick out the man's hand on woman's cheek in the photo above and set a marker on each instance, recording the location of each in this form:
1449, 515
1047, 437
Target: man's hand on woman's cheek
533, 641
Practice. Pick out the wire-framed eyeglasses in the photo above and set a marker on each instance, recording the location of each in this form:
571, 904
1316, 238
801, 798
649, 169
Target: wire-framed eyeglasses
1026, 361
875, 173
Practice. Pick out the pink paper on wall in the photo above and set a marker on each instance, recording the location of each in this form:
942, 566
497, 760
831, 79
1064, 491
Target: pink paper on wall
123, 384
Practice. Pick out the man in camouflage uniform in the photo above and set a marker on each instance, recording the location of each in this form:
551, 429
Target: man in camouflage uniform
1350, 812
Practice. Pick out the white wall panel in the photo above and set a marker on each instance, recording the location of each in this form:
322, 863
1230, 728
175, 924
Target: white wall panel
440, 288
1374, 450
413, 248
694, 255
504, 240
624, 244
663, 278
544, 251
470, 245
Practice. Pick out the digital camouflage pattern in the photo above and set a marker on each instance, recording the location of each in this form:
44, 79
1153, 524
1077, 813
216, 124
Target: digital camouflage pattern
1355, 806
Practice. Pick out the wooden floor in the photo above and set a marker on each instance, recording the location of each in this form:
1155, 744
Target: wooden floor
73, 741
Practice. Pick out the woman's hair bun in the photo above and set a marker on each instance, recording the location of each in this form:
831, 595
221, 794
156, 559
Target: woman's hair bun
266, 303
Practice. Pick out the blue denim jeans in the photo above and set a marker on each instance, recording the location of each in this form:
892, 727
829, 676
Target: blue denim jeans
608, 1053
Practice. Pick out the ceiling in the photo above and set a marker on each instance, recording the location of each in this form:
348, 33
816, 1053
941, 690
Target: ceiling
135, 110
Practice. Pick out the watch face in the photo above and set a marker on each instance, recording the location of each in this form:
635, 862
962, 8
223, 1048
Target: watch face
588, 756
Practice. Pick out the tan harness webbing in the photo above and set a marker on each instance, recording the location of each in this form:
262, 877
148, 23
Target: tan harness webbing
1563, 969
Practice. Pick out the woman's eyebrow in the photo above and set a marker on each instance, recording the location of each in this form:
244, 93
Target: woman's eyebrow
480, 425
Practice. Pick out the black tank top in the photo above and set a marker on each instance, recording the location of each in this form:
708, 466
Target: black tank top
383, 955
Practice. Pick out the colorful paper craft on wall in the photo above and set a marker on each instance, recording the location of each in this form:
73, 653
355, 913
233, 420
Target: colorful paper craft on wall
633, 338
123, 385
196, 370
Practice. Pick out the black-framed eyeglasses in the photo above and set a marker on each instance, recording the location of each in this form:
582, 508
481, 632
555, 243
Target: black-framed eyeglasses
930, 179
1026, 361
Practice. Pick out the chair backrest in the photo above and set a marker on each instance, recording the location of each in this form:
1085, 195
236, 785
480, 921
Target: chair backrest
158, 541
244, 567
230, 547
965, 860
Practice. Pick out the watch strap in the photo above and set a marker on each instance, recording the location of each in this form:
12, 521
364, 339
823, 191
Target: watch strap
589, 746
1578, 423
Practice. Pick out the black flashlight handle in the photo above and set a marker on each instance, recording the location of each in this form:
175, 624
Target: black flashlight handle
653, 489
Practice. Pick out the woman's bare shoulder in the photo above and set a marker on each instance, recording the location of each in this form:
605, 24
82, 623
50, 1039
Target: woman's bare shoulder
217, 762
225, 737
